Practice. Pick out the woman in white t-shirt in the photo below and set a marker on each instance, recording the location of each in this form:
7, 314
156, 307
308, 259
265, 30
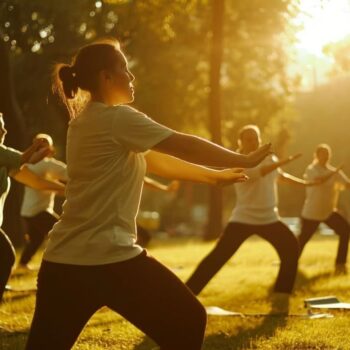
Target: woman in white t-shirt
255, 212
321, 203
37, 208
91, 258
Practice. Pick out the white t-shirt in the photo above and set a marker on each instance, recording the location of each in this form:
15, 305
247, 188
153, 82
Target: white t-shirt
37, 201
321, 200
256, 199
106, 168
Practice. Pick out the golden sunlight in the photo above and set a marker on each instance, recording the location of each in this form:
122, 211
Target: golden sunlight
322, 22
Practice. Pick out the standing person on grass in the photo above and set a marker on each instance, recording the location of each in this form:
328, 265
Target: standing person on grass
255, 212
321, 204
91, 259
38, 206
11, 162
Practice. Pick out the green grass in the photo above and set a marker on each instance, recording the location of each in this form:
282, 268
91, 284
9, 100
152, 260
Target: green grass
242, 285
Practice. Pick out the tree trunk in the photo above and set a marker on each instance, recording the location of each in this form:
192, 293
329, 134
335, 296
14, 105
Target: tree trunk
15, 126
215, 205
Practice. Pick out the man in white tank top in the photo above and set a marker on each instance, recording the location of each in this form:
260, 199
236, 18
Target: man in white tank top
38, 206
255, 212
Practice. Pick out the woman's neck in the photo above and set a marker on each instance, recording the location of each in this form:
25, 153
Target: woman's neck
97, 97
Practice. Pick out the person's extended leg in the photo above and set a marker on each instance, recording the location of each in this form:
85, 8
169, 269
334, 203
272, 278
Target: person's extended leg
38, 228
286, 245
308, 228
152, 298
67, 297
234, 235
7, 259
342, 228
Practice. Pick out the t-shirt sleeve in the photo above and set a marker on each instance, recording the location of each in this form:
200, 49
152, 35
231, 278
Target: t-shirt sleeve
57, 169
135, 130
10, 158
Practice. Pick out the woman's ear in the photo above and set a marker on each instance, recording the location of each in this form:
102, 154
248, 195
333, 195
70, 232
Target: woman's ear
104, 76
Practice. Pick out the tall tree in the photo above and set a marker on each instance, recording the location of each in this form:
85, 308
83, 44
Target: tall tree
169, 44
215, 203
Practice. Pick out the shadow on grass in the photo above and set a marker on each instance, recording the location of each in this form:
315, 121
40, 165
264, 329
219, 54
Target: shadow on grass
265, 329
304, 283
246, 338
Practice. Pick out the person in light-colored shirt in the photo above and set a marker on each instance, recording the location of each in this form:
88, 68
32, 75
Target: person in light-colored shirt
321, 203
38, 206
92, 259
255, 212
11, 163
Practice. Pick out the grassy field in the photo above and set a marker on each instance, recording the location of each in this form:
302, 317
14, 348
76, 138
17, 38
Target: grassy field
242, 285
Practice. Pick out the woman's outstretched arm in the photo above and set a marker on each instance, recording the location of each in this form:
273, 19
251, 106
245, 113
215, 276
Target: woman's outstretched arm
196, 150
171, 167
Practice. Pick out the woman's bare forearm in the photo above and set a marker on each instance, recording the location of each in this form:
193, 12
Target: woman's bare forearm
170, 167
196, 150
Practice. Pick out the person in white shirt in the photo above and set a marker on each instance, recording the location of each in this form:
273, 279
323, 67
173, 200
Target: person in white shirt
321, 203
256, 212
38, 206
91, 259
11, 165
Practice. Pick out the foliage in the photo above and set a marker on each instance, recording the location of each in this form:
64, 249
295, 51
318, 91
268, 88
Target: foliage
168, 45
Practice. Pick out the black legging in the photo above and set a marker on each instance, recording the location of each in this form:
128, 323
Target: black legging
38, 227
278, 234
337, 223
7, 259
140, 289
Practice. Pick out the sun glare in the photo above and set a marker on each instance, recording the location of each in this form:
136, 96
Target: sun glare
323, 22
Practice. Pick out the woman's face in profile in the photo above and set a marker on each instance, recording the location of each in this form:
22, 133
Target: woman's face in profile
120, 83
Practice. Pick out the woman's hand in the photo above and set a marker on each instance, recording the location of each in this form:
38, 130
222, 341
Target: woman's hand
229, 176
254, 158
